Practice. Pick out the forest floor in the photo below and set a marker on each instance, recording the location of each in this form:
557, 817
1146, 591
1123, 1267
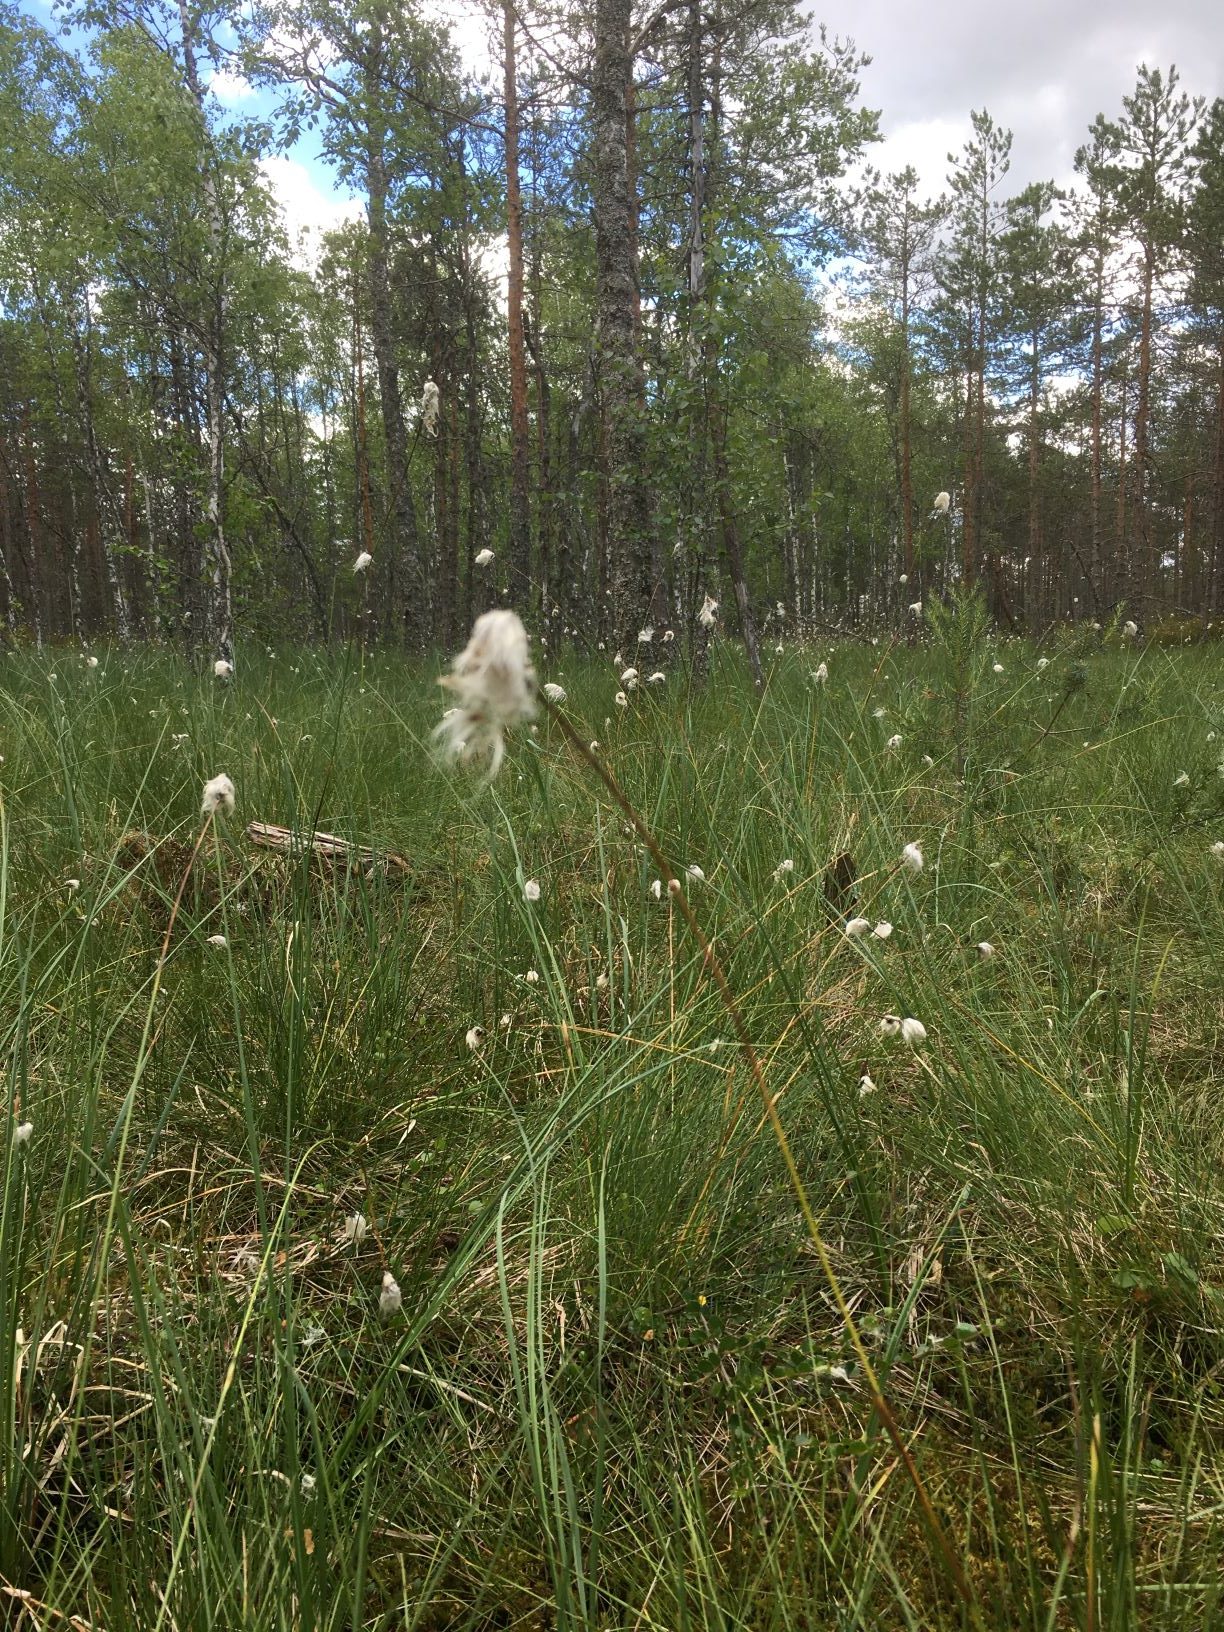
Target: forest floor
628, 1382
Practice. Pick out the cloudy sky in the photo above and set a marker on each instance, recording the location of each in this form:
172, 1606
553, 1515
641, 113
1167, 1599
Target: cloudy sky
1043, 68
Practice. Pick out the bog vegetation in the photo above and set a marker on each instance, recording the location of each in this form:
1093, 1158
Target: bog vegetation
741, 1148
400, 1236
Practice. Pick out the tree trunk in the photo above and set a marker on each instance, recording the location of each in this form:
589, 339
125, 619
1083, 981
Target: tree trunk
696, 156
218, 630
619, 368
1034, 453
1140, 530
103, 498
731, 542
406, 583
520, 436
969, 499
903, 414
1123, 565
365, 501
1098, 585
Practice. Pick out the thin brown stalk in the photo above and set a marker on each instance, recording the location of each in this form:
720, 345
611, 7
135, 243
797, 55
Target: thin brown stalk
711, 962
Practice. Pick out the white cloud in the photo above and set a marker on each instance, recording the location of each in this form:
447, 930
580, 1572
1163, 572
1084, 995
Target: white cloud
1043, 69
308, 211
924, 144
473, 35
230, 87
493, 259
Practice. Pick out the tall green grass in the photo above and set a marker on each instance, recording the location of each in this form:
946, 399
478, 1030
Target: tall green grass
619, 1393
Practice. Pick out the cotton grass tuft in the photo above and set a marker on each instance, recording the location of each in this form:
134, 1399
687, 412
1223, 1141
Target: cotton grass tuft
218, 796
495, 684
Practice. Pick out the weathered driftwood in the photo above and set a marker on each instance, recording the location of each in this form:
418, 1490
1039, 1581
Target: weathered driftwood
292, 843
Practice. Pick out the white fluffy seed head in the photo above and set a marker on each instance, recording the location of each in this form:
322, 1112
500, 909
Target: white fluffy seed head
91, 662
708, 616
916, 608
493, 679
356, 1228
362, 561
911, 856
913, 1031
890, 1025
483, 558
882, 930
857, 926
430, 402
531, 890
554, 692
223, 669
985, 949
656, 888
218, 796
23, 1133
391, 1299
821, 674
893, 743
475, 1037
217, 940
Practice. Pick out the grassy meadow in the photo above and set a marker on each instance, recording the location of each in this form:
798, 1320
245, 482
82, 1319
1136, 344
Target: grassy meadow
619, 1390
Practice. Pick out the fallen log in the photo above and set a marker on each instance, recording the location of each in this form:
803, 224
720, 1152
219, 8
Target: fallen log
268, 836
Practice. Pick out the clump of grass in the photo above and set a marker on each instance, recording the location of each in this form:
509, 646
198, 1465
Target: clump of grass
618, 1391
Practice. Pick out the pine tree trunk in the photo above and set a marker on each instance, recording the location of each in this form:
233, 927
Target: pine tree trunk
1034, 454
907, 482
969, 499
1098, 584
619, 369
1140, 532
1123, 565
520, 437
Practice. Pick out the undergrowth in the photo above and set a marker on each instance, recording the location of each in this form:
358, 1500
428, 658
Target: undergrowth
618, 1392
